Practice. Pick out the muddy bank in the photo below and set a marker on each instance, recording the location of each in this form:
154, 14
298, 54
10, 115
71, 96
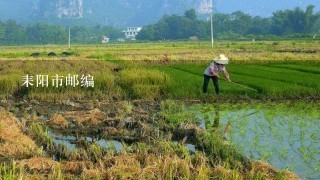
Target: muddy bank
136, 139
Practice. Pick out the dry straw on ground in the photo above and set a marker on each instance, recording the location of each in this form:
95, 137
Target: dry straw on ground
13, 141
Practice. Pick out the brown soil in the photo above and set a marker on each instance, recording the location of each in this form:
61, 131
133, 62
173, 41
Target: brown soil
117, 121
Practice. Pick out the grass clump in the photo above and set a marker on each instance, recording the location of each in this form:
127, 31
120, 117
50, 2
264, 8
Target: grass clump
175, 114
222, 153
9, 171
267, 79
143, 83
41, 135
14, 72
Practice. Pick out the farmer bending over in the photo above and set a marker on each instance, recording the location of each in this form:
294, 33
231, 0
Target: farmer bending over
213, 70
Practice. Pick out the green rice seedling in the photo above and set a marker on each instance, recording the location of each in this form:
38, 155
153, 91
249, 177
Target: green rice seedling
299, 67
274, 73
149, 84
41, 135
278, 135
175, 114
262, 81
96, 151
57, 173
221, 152
191, 84
183, 85
10, 171
7, 172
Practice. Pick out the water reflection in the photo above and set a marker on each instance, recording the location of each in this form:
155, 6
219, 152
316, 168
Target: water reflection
205, 118
285, 135
71, 141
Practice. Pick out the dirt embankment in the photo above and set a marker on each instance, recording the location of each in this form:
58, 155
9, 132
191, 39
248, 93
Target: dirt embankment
154, 149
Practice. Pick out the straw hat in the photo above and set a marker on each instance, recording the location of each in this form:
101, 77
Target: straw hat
221, 59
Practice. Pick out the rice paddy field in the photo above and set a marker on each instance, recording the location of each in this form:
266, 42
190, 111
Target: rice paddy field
137, 111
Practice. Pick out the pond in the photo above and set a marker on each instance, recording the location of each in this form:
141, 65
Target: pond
286, 135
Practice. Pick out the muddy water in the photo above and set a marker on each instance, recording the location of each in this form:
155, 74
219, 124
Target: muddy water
71, 141
286, 135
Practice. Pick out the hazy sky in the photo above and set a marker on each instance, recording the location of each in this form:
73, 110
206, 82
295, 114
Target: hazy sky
262, 7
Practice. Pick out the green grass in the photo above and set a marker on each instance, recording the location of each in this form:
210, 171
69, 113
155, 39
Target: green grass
141, 82
271, 82
301, 68
183, 84
286, 74
176, 50
179, 81
13, 71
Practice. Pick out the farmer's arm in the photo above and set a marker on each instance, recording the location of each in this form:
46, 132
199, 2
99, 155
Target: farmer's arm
226, 74
213, 71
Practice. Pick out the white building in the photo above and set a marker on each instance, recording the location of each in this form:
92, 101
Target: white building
121, 40
105, 40
132, 32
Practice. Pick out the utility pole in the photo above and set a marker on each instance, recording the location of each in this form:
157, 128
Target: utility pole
207, 8
211, 31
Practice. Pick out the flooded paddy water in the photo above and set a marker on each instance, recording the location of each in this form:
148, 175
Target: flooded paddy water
286, 135
283, 134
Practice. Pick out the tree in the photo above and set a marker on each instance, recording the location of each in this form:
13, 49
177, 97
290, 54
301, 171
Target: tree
316, 27
241, 22
80, 34
294, 21
147, 33
2, 30
42, 33
191, 14
309, 19
175, 27
14, 33
260, 26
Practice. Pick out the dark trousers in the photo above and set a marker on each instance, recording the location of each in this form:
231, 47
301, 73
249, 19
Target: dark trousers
206, 82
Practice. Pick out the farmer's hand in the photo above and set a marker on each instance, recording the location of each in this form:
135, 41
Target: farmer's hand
229, 80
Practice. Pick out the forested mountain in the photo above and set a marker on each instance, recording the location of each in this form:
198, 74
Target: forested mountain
130, 12
93, 12
46, 20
